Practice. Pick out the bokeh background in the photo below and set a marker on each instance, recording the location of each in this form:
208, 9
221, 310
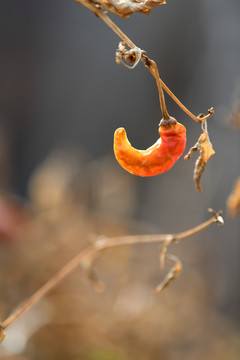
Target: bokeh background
61, 98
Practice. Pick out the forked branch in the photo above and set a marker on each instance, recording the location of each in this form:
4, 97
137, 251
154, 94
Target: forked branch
86, 257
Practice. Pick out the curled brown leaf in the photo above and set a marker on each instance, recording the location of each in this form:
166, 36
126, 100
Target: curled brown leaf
171, 275
126, 8
204, 146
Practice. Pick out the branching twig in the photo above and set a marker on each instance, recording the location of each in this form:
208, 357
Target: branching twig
147, 62
86, 257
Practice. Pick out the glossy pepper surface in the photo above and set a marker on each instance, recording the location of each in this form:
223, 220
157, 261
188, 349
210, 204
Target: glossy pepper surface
158, 158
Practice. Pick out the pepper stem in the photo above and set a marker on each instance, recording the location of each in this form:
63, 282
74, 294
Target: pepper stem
152, 66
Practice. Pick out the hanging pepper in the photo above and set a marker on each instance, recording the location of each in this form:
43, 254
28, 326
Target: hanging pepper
158, 158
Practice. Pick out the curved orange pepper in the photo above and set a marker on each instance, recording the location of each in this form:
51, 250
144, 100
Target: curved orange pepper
158, 158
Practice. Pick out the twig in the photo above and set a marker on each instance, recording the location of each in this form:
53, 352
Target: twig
154, 71
107, 21
97, 11
86, 257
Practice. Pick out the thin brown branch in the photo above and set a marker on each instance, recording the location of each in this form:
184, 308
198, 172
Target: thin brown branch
49, 285
97, 11
86, 257
107, 21
217, 218
183, 107
154, 71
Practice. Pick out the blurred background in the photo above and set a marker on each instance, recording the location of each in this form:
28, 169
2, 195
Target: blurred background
61, 98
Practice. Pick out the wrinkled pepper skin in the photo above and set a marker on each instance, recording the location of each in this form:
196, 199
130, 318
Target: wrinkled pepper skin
158, 158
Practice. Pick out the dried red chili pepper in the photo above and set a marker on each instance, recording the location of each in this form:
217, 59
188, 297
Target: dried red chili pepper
158, 158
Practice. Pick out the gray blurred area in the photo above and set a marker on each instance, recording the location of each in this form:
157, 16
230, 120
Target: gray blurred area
60, 85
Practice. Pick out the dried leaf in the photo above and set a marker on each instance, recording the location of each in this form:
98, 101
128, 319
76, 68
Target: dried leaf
173, 273
233, 201
206, 151
193, 149
126, 8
